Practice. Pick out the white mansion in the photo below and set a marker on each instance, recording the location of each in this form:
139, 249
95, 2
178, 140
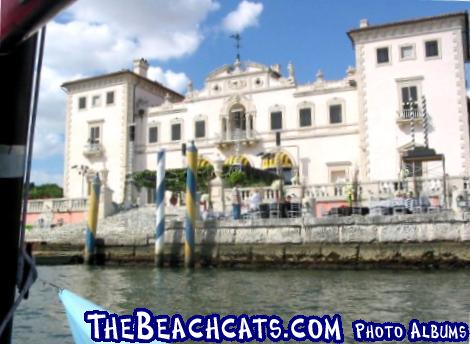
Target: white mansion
331, 130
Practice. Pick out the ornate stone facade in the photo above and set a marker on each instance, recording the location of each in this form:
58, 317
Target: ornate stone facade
331, 130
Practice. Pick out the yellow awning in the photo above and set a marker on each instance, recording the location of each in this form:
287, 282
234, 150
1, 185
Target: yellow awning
203, 163
270, 161
237, 160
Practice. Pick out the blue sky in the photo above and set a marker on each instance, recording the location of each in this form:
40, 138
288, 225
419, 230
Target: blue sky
310, 33
186, 39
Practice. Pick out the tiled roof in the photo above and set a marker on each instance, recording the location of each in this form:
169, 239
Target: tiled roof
156, 83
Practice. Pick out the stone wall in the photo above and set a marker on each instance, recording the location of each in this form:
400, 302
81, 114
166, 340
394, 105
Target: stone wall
417, 240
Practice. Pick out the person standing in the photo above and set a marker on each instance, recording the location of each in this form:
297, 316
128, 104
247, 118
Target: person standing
236, 203
255, 201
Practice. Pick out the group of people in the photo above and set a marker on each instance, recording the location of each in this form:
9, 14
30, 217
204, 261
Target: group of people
254, 201
407, 200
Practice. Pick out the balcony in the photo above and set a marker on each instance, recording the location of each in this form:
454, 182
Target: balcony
228, 138
405, 116
93, 150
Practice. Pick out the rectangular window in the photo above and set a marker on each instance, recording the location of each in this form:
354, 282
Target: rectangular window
407, 52
418, 169
336, 114
276, 120
153, 134
110, 98
382, 55
176, 132
94, 134
96, 101
305, 117
132, 133
200, 129
82, 103
432, 48
409, 97
338, 176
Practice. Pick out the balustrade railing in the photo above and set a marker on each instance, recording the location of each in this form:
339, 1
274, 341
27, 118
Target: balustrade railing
93, 149
35, 206
408, 114
339, 191
236, 135
57, 205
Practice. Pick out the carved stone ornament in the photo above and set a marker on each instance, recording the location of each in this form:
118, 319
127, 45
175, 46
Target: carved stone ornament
236, 84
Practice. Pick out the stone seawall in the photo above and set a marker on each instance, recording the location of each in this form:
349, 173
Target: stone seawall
440, 240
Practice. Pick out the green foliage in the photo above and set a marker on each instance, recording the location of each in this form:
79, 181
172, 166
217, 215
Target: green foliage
45, 191
144, 179
236, 177
175, 179
250, 178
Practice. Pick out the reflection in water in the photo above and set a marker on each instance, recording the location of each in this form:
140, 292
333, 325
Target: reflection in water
371, 295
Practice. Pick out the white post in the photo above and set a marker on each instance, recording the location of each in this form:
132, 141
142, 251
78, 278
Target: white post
160, 204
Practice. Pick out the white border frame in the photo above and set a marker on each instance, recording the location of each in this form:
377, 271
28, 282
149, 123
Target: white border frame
404, 45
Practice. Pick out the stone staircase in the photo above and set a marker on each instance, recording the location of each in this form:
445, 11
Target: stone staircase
134, 225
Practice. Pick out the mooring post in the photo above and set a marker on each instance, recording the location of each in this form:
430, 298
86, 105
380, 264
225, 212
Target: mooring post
190, 218
160, 205
93, 203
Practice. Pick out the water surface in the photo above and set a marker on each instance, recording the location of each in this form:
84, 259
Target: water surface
375, 295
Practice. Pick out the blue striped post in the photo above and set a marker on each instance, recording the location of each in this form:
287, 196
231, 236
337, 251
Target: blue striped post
160, 204
425, 121
190, 218
93, 203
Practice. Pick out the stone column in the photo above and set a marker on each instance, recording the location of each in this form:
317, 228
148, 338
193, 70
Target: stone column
229, 128
223, 128
247, 124
217, 197
129, 199
106, 196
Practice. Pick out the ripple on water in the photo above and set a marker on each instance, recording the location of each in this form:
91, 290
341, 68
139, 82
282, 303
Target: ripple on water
371, 295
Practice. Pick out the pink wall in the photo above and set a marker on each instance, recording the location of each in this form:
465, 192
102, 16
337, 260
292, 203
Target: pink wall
324, 206
67, 217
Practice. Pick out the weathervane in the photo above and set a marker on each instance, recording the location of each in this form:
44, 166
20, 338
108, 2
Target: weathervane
237, 38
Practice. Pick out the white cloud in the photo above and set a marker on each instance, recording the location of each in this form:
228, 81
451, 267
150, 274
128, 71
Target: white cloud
156, 29
105, 36
47, 144
39, 177
246, 15
175, 81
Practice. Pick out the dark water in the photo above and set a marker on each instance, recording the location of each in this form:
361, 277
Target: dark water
371, 295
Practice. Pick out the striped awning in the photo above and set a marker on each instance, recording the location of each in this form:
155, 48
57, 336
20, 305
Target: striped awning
270, 161
237, 160
203, 163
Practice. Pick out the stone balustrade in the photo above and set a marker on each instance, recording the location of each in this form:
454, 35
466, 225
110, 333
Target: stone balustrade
57, 205
431, 187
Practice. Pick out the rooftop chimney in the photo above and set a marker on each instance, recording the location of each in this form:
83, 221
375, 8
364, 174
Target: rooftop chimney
363, 23
141, 67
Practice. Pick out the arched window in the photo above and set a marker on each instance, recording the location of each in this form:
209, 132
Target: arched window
238, 117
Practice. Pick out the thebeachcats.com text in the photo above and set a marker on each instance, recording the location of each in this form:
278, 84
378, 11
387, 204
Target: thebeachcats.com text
145, 327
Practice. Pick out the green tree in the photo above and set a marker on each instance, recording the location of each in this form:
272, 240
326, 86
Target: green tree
45, 191
175, 179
